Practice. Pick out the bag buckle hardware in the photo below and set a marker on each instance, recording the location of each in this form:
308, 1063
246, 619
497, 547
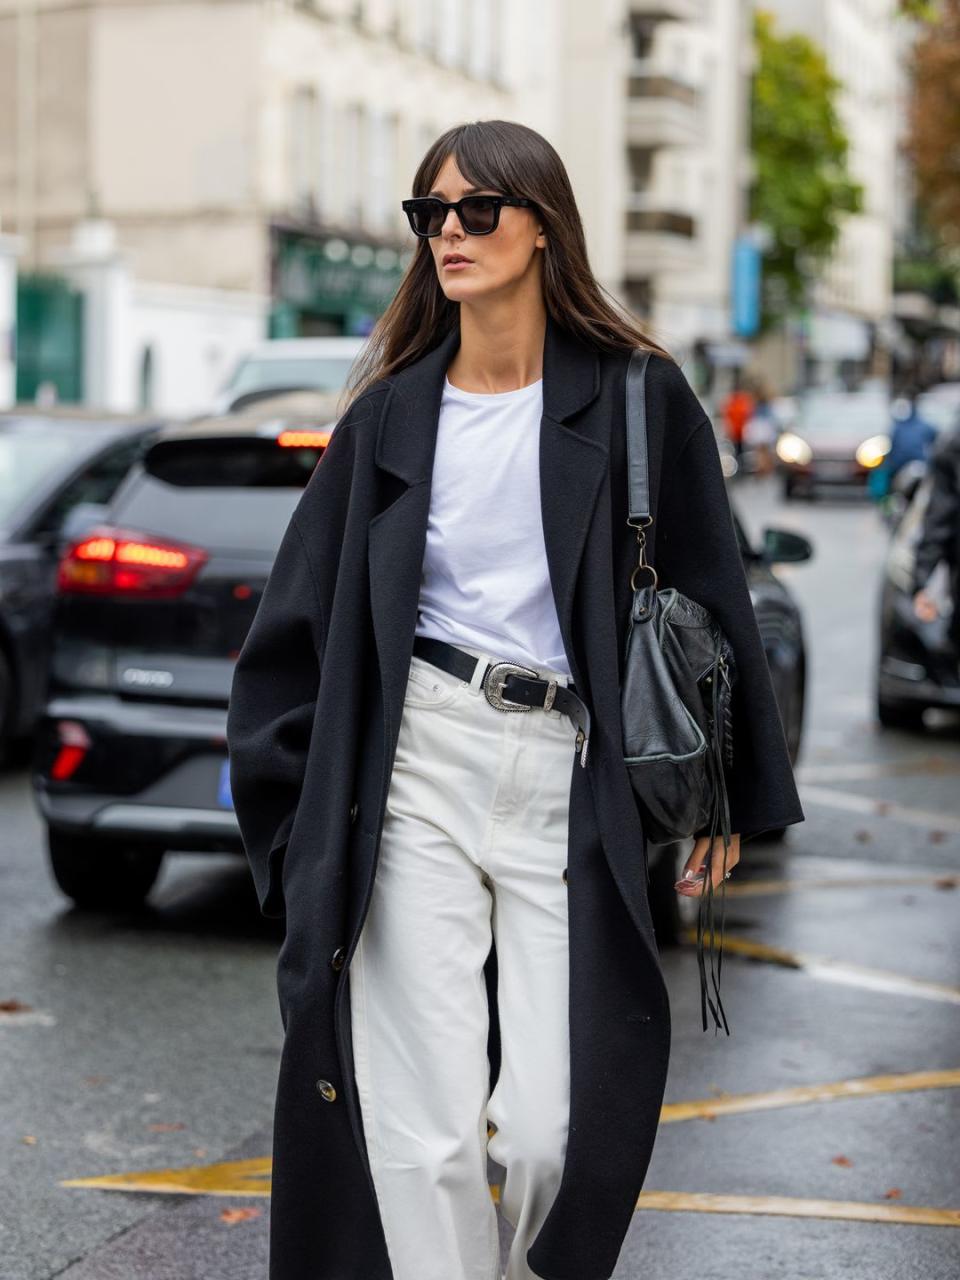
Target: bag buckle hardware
642, 555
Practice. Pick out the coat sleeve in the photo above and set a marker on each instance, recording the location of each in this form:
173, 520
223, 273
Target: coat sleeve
276, 678
698, 552
938, 535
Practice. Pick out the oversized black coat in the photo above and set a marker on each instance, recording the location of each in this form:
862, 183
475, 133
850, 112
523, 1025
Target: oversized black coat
312, 729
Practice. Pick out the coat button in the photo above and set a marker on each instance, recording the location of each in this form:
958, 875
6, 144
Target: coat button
353, 811
338, 957
326, 1090
563, 877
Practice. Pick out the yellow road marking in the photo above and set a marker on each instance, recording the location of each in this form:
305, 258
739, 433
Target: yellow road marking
832, 970
228, 1178
252, 1178
791, 1207
726, 1104
752, 888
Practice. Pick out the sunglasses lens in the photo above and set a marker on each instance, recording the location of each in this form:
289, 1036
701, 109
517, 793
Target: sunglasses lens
478, 214
426, 217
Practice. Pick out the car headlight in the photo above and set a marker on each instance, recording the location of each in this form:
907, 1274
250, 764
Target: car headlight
793, 449
873, 451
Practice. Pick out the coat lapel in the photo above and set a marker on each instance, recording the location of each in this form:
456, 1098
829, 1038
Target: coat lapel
573, 461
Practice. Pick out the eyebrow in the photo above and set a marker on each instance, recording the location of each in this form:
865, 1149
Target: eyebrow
467, 191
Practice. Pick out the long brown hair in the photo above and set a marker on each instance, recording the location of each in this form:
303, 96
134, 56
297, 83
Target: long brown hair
509, 157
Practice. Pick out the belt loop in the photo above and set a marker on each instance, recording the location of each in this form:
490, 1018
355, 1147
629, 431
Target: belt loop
550, 695
476, 680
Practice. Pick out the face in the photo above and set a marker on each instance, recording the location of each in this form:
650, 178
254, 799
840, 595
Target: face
498, 261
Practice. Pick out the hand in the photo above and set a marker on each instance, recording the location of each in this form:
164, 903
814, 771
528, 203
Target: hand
692, 885
925, 607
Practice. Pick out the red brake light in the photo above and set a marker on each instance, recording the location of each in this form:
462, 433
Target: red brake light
124, 562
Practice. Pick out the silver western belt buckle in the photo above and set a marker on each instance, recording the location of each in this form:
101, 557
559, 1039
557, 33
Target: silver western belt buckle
496, 678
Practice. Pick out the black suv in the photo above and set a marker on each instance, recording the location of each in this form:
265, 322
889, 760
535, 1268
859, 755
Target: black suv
156, 591
155, 599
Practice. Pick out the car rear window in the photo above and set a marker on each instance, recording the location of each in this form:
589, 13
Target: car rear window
324, 373
30, 455
219, 493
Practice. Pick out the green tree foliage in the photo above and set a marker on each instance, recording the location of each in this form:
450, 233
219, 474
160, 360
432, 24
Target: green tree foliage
802, 188
933, 139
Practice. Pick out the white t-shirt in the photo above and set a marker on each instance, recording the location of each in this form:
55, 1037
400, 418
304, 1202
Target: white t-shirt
485, 581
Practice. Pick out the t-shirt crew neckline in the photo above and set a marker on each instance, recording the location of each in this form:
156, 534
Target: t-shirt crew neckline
488, 396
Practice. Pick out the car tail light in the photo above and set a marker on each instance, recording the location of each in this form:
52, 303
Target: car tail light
109, 561
303, 439
74, 745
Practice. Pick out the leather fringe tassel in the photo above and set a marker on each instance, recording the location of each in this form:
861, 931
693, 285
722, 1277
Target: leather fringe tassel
720, 754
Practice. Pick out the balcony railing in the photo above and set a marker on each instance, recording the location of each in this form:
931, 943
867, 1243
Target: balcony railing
662, 108
659, 237
669, 10
670, 221
648, 80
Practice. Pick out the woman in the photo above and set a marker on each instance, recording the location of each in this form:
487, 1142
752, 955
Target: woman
469, 953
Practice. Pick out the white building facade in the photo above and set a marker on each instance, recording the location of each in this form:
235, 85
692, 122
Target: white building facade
202, 175
853, 296
207, 174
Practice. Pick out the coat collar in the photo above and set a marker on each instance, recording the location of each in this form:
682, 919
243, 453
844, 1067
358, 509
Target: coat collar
407, 435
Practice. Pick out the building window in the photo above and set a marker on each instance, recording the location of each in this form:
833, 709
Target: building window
424, 26
479, 51
450, 32
355, 165
640, 165
641, 36
383, 129
639, 297
304, 148
146, 379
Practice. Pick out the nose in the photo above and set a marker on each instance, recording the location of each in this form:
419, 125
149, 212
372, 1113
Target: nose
452, 213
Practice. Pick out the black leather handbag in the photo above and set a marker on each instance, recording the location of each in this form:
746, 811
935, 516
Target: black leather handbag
679, 675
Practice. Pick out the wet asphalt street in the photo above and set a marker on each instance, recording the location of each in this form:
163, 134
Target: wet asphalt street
820, 1140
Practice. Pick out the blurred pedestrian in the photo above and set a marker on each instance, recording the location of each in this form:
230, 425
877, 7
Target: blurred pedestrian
911, 439
939, 538
462, 553
737, 410
761, 430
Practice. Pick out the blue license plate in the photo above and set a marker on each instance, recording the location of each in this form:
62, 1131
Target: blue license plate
224, 798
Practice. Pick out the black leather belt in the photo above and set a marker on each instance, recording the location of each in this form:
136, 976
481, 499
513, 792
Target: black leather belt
508, 686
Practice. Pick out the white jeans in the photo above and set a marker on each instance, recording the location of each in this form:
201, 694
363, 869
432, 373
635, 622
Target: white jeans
474, 840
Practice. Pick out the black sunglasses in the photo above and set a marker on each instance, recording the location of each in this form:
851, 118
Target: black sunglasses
479, 215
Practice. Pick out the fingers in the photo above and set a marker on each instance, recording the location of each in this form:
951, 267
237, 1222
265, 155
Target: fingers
924, 607
693, 881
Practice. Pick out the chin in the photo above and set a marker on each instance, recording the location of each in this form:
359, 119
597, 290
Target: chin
454, 294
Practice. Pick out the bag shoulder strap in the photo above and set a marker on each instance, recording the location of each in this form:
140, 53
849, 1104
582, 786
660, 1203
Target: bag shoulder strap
638, 475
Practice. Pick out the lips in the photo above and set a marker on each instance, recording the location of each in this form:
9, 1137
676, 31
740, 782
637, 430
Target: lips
448, 258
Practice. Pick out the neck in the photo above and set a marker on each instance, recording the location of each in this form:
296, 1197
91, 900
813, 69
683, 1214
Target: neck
501, 346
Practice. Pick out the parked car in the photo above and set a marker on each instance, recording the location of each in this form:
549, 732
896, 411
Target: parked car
156, 593
940, 405
781, 627
290, 364
836, 440
917, 665
51, 461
